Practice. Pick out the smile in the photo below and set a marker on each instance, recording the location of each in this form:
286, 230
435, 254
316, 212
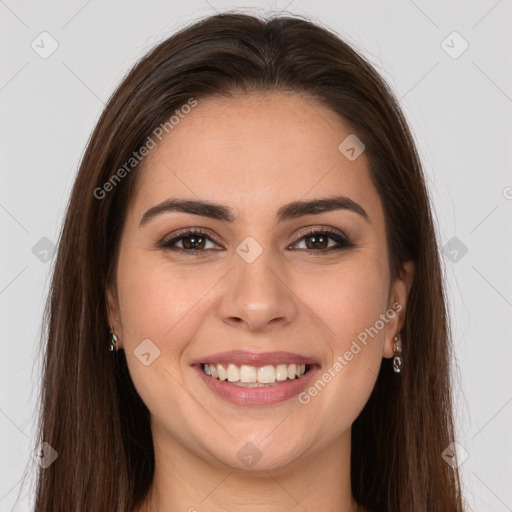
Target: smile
250, 394
254, 376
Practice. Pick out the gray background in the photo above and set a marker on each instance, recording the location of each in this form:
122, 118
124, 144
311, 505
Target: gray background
459, 108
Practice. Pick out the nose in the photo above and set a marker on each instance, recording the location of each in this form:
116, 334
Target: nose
257, 295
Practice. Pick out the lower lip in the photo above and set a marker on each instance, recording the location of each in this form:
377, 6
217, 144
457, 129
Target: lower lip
239, 395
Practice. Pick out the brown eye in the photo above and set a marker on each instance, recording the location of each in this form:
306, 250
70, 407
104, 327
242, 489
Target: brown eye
318, 241
192, 241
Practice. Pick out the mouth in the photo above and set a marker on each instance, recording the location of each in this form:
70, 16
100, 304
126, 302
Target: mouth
270, 379
255, 376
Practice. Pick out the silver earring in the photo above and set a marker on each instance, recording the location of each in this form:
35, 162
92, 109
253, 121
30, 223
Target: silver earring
113, 341
397, 350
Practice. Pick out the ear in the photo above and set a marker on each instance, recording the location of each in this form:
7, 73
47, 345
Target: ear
397, 303
113, 312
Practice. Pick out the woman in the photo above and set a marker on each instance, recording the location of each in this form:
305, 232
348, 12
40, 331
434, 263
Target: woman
247, 308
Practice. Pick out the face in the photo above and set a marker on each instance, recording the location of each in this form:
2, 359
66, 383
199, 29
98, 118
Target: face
314, 284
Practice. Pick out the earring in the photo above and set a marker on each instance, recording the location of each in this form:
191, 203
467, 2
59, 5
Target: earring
397, 350
113, 341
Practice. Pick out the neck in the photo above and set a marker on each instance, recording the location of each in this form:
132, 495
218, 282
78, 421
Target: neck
196, 482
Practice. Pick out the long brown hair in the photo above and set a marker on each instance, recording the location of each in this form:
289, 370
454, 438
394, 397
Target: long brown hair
90, 411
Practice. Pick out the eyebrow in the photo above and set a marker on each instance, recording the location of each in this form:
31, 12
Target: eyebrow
289, 211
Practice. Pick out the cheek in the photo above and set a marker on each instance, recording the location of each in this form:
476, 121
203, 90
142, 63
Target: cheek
157, 301
348, 307
348, 304
160, 306
164, 305
349, 300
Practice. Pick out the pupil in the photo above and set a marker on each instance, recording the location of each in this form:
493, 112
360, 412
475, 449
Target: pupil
315, 239
194, 240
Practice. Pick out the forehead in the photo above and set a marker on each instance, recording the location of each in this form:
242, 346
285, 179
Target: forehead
254, 153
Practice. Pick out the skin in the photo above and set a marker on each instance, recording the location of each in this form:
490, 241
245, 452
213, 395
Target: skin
254, 154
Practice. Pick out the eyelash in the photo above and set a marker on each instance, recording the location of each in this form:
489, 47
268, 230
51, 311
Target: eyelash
343, 242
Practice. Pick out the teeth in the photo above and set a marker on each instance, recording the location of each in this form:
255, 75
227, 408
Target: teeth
252, 375
266, 374
248, 373
222, 372
233, 373
281, 372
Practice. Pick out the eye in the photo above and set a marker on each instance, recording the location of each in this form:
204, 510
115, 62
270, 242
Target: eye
319, 241
192, 240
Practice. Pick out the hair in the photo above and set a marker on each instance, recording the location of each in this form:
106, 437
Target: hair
90, 412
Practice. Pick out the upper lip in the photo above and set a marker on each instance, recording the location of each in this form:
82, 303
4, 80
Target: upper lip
240, 357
